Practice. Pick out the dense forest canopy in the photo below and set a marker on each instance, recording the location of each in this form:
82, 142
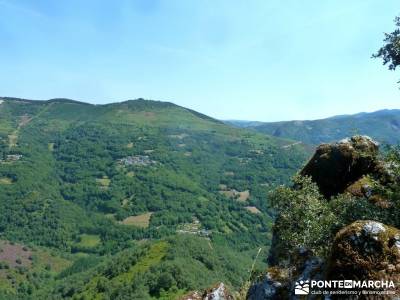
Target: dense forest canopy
80, 183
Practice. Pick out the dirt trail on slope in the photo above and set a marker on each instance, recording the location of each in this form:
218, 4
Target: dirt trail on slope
25, 119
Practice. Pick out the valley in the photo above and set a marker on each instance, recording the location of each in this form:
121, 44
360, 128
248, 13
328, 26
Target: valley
144, 200
93, 184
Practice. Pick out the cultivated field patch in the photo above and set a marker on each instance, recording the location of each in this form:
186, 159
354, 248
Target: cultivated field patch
139, 220
234, 194
253, 209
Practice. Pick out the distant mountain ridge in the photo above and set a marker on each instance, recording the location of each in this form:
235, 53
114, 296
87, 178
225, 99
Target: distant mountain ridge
382, 125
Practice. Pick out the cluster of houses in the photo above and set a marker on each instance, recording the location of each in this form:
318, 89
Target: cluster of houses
11, 158
137, 160
193, 228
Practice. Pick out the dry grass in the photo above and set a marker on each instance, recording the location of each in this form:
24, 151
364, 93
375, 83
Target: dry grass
139, 221
232, 193
5, 181
243, 196
253, 209
15, 255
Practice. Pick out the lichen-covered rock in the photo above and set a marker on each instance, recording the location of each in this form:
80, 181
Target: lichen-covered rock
388, 172
366, 250
278, 282
308, 266
364, 187
336, 166
274, 285
196, 295
217, 292
371, 189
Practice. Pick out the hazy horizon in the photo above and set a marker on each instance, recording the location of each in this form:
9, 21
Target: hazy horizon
254, 60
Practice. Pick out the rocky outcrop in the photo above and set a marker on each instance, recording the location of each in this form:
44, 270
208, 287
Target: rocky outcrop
371, 189
217, 292
196, 295
272, 285
366, 250
278, 282
336, 166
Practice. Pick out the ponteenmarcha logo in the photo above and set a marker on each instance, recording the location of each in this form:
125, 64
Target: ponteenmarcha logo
305, 287
302, 287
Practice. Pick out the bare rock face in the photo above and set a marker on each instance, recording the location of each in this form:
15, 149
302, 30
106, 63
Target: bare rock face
278, 283
336, 166
272, 286
217, 292
366, 250
192, 296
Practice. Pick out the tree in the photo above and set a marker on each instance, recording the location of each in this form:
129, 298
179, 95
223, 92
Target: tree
390, 52
303, 218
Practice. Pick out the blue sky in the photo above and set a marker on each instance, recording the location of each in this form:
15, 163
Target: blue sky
233, 59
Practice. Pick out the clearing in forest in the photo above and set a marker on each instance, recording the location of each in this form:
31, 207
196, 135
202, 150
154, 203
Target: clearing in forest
234, 194
140, 220
5, 181
88, 240
15, 254
253, 209
103, 182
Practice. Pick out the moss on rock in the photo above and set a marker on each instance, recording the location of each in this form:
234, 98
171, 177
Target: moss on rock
366, 250
371, 189
336, 166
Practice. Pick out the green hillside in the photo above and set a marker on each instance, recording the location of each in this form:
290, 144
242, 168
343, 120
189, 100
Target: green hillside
179, 193
383, 126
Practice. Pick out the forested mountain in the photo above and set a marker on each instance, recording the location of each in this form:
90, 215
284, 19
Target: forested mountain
382, 125
93, 195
